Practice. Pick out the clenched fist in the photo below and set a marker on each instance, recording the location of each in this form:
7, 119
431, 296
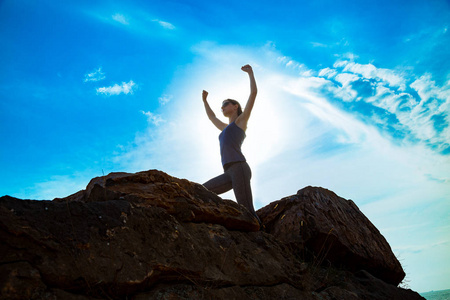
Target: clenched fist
247, 69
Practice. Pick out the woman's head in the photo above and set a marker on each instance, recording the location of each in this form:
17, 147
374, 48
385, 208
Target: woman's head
227, 102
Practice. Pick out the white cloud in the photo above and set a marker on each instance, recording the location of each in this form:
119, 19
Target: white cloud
429, 36
369, 71
136, 21
164, 99
120, 18
346, 78
96, 75
427, 89
290, 63
153, 118
424, 117
321, 45
327, 72
125, 88
164, 24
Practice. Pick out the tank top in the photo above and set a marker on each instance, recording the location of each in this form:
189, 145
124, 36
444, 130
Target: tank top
231, 139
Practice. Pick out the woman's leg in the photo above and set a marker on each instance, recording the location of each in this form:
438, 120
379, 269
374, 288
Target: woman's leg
219, 184
240, 177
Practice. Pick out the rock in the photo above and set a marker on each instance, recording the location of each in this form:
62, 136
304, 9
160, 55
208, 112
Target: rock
185, 200
187, 292
19, 280
375, 288
329, 228
152, 236
149, 229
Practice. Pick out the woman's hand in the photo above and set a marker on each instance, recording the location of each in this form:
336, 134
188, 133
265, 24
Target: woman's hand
204, 95
247, 69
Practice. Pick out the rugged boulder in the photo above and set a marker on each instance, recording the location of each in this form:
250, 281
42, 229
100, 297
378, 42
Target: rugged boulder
152, 236
187, 201
326, 227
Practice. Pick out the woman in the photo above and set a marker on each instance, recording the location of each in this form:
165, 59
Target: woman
237, 172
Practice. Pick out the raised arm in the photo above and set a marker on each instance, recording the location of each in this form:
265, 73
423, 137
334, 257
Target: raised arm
211, 115
242, 120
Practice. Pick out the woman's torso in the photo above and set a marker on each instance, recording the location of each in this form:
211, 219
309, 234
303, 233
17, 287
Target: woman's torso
231, 139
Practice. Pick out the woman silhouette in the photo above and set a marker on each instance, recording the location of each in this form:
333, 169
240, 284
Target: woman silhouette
237, 173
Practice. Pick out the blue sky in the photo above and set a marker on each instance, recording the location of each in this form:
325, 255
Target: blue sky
354, 96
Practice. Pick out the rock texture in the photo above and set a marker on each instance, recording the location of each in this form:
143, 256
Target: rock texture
152, 236
317, 222
187, 201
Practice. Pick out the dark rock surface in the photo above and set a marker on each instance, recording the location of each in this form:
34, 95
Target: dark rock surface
152, 236
181, 198
330, 228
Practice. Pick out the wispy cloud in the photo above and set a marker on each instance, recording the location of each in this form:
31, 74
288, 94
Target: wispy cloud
416, 110
120, 18
292, 64
153, 118
96, 75
428, 35
165, 24
136, 21
369, 71
125, 88
316, 44
164, 99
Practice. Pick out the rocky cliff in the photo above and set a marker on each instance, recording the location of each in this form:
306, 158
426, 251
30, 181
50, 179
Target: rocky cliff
152, 236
